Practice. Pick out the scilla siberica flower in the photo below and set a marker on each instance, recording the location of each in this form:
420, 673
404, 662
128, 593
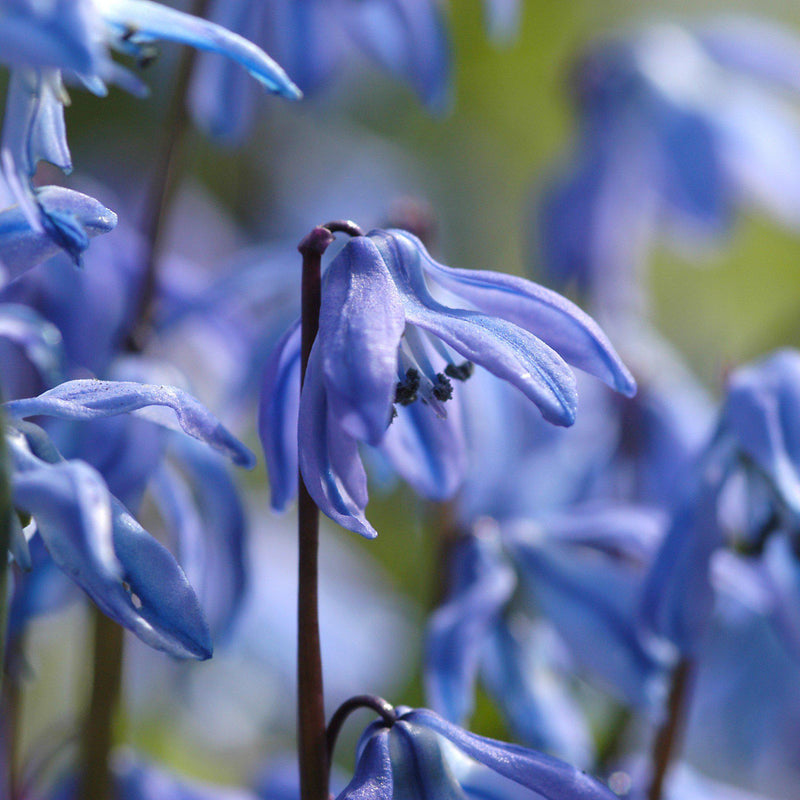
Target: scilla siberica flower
387, 346
422, 755
44, 41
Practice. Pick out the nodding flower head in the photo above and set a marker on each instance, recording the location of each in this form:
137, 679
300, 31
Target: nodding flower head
386, 345
419, 754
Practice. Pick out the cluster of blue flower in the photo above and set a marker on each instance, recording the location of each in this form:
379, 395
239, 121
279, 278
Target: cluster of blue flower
623, 582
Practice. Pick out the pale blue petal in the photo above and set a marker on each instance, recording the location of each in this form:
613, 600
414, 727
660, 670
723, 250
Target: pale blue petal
55, 34
151, 20
551, 778
550, 316
34, 128
536, 704
419, 768
328, 456
38, 339
506, 350
458, 630
165, 612
678, 598
592, 602
360, 326
93, 399
22, 247
277, 417
408, 38
502, 18
428, 452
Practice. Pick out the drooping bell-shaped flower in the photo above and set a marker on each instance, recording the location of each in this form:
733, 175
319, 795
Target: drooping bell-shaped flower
422, 755
386, 342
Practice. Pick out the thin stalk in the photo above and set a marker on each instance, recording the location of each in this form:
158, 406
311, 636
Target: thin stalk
98, 731
97, 735
667, 740
166, 168
381, 707
311, 739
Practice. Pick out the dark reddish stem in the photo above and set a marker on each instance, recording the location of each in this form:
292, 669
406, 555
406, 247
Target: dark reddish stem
381, 707
667, 740
311, 739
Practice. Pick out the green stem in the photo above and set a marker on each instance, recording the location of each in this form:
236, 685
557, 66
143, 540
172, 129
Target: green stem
106, 688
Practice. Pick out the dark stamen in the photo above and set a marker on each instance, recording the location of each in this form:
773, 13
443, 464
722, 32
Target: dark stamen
406, 391
442, 388
460, 372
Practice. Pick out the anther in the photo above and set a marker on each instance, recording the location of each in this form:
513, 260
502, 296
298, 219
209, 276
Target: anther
442, 388
460, 372
406, 390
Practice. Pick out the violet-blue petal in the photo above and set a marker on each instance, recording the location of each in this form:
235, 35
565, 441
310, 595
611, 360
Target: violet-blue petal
760, 413
429, 453
93, 399
551, 778
535, 703
458, 629
277, 417
328, 456
220, 578
559, 323
360, 326
38, 339
56, 34
419, 767
72, 509
407, 37
677, 597
34, 128
373, 776
506, 350
591, 602
22, 247
151, 20
166, 613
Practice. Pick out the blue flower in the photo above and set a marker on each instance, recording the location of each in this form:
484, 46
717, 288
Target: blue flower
422, 755
88, 532
75, 36
677, 129
311, 39
386, 345
744, 494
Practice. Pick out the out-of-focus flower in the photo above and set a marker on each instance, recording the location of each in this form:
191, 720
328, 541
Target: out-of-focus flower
89, 534
745, 493
311, 38
384, 341
422, 755
76, 37
677, 128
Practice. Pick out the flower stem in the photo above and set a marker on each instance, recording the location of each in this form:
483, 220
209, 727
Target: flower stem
311, 741
381, 707
98, 727
668, 736
159, 193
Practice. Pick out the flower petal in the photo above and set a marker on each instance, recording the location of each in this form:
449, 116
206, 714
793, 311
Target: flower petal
360, 326
373, 776
151, 20
328, 456
277, 417
93, 399
457, 631
551, 778
506, 350
545, 313
38, 339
